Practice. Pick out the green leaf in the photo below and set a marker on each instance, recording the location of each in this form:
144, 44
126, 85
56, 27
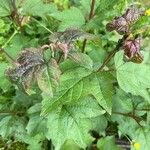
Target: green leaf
127, 125
105, 5
5, 8
73, 122
106, 87
123, 105
11, 126
82, 59
69, 144
36, 124
107, 143
97, 54
35, 109
68, 82
133, 78
77, 83
86, 6
142, 137
34, 142
76, 59
72, 17
5, 126
17, 43
37, 8
4, 83
100, 124
48, 79
122, 102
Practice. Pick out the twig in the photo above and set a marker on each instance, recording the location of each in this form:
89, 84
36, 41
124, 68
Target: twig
110, 70
15, 14
92, 9
90, 17
144, 109
3, 51
42, 25
11, 112
137, 119
8, 41
84, 44
59, 59
106, 61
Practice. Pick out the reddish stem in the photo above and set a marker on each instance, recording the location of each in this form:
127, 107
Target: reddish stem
137, 119
116, 49
91, 15
92, 9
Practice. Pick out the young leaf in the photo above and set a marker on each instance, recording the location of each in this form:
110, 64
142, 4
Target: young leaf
29, 63
65, 40
69, 36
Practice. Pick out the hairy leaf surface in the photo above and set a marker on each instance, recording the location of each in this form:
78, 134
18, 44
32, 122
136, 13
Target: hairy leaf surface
73, 122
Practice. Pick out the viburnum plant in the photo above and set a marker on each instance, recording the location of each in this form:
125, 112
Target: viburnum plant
74, 75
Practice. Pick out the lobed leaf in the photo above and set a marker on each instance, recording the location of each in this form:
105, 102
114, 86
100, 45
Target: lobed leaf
77, 83
73, 122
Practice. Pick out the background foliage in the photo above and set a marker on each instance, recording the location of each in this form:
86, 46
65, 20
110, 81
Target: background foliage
72, 106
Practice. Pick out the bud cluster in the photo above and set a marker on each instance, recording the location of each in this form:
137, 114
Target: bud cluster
132, 50
123, 25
